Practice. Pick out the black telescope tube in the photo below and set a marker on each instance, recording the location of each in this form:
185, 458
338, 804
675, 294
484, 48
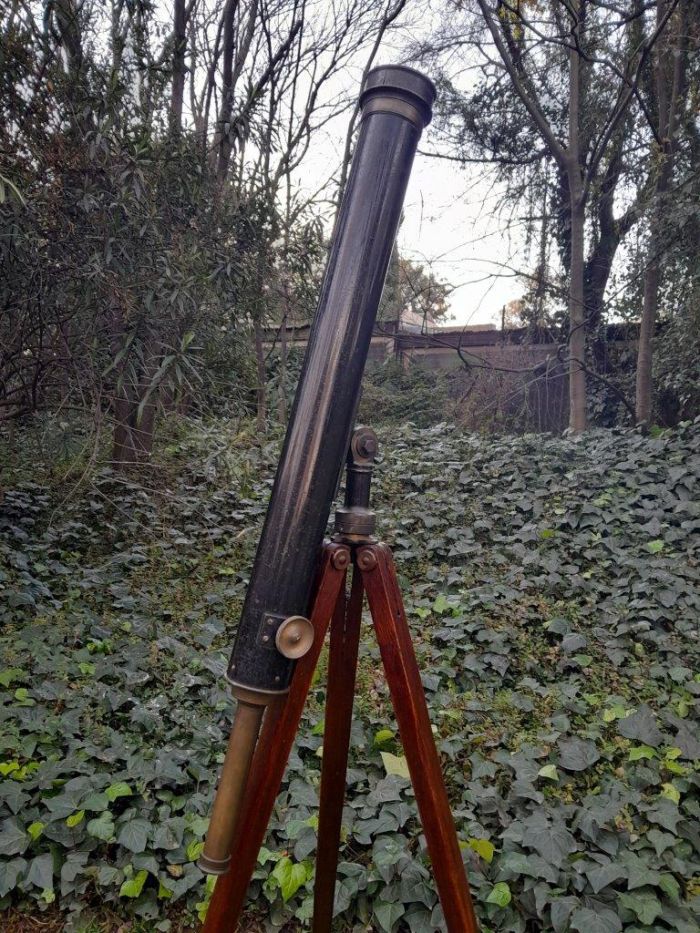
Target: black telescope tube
396, 105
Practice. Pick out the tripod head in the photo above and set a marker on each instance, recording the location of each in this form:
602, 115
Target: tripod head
273, 632
355, 521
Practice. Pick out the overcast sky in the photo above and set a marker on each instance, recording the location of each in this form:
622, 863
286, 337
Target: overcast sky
448, 225
448, 217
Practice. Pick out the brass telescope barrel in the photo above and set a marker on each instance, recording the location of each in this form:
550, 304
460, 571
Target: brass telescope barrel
396, 104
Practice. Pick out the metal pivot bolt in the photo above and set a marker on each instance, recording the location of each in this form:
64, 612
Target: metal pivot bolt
366, 559
341, 558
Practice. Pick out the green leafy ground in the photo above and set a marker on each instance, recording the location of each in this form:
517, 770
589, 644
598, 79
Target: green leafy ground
552, 586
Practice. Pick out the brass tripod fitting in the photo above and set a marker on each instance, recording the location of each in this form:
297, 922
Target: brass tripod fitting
355, 520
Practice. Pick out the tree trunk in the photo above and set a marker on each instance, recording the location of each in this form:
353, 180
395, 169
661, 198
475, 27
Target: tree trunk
133, 435
123, 447
646, 332
144, 415
133, 429
260, 365
282, 397
668, 91
180, 45
577, 324
577, 308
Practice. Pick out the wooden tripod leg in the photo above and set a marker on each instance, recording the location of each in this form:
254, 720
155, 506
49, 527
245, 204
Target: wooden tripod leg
386, 606
272, 753
342, 665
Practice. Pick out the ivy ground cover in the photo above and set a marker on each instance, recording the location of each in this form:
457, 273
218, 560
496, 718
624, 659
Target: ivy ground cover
552, 589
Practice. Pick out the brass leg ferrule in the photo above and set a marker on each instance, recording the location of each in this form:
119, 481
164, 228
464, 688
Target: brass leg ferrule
216, 857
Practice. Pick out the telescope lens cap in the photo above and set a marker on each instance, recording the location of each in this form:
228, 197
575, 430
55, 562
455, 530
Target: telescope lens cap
406, 84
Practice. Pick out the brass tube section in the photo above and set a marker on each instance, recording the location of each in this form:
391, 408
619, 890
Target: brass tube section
216, 856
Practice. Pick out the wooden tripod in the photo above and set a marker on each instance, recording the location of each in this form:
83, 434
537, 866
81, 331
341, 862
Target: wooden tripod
374, 574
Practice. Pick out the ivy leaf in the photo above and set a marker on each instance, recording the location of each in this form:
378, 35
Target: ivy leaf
383, 736
163, 892
133, 886
168, 835
10, 872
549, 773
660, 841
290, 876
483, 848
96, 802
134, 835
9, 675
35, 829
395, 764
265, 855
418, 920
102, 827
614, 712
41, 872
600, 878
194, 850
670, 887
640, 752
670, 792
641, 726
115, 791
586, 920
643, 903
500, 895
560, 910
13, 839
22, 697
553, 841
388, 914
577, 754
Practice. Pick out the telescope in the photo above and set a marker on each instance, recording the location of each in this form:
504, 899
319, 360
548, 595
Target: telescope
298, 582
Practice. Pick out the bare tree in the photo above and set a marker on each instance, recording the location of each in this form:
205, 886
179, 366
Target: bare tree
578, 165
669, 63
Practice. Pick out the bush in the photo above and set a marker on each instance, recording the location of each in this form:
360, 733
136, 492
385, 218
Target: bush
394, 394
677, 365
551, 588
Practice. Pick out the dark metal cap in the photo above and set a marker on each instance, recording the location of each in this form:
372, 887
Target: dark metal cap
389, 84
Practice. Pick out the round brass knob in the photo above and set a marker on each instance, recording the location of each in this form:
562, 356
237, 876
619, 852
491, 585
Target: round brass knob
294, 637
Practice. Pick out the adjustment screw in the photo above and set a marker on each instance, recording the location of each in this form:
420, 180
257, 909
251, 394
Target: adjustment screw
366, 559
341, 559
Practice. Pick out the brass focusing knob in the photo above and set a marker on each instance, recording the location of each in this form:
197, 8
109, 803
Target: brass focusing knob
294, 637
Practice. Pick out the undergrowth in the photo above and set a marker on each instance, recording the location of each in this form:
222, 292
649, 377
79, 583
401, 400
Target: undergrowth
552, 589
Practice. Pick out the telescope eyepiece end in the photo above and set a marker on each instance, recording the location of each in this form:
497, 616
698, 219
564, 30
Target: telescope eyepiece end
389, 85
